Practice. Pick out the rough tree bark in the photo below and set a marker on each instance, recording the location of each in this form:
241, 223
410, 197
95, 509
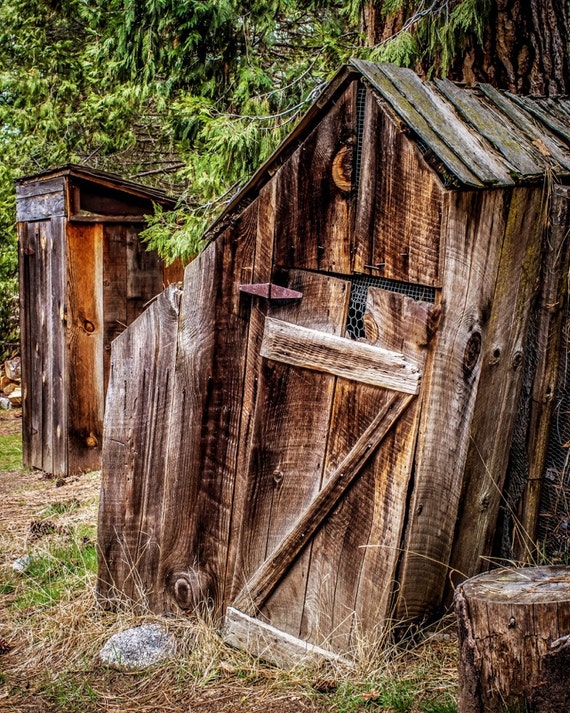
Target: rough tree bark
525, 48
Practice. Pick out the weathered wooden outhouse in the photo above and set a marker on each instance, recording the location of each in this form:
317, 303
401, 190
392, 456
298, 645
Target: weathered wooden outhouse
316, 430
84, 276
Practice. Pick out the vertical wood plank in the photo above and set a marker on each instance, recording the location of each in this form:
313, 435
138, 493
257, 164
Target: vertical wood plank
285, 466
59, 365
316, 225
30, 321
135, 443
259, 271
499, 384
214, 320
474, 233
115, 313
408, 210
144, 273
85, 334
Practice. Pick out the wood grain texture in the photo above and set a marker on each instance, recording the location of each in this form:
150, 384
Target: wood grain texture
41, 207
135, 445
513, 636
450, 129
311, 349
259, 270
84, 337
214, 321
501, 134
474, 233
115, 314
414, 119
266, 578
499, 384
42, 276
144, 272
314, 198
354, 555
407, 210
271, 644
366, 197
285, 464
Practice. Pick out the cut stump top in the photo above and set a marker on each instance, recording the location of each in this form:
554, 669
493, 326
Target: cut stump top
524, 585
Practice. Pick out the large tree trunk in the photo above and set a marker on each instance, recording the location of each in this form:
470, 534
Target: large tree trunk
524, 49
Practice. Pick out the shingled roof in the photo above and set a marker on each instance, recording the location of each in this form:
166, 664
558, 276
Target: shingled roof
483, 136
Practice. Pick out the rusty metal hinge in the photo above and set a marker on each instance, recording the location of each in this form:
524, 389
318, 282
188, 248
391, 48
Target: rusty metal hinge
269, 291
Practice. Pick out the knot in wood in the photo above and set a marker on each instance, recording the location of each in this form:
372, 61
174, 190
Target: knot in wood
88, 326
471, 354
190, 588
342, 169
91, 441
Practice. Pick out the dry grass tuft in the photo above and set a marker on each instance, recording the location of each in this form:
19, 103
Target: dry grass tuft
51, 630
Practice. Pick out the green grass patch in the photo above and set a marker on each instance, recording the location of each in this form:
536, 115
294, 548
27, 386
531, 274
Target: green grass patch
70, 692
11, 452
57, 570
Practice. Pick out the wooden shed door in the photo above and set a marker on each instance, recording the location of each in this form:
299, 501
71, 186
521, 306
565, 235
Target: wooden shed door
324, 464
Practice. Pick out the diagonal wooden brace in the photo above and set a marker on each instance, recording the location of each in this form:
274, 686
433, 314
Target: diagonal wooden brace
258, 589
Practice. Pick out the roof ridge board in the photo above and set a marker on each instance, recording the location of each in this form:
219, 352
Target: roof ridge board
536, 110
526, 122
417, 123
89, 173
496, 128
452, 130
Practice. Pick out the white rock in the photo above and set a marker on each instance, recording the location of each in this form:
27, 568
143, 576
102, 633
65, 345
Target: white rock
138, 648
21, 564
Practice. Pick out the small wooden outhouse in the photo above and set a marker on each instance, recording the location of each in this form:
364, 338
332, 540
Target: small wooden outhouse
84, 277
314, 434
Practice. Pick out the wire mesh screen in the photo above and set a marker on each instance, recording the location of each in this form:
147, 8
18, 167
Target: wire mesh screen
359, 293
519, 463
360, 111
554, 515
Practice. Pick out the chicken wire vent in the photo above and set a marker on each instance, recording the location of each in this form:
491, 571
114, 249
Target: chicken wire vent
554, 514
359, 293
360, 116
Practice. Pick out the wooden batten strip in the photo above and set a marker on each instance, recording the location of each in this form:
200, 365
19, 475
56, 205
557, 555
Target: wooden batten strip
271, 644
256, 591
358, 361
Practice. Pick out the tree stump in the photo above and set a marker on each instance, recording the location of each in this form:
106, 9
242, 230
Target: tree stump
514, 641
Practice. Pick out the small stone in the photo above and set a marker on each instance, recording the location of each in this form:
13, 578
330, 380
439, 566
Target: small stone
21, 564
139, 647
